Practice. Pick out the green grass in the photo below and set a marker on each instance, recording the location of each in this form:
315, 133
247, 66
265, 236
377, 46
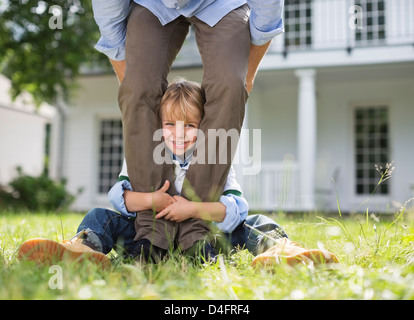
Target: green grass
376, 262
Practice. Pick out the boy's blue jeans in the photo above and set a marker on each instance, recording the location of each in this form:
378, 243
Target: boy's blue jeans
107, 230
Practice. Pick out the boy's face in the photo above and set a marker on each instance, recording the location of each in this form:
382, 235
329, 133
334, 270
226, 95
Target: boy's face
179, 135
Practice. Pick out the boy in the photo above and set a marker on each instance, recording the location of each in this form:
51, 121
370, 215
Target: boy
178, 222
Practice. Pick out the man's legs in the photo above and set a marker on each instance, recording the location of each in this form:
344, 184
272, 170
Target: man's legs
224, 50
150, 49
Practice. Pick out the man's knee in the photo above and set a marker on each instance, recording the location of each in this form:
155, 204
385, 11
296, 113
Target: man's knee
227, 80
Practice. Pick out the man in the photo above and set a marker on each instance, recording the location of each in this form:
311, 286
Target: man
142, 39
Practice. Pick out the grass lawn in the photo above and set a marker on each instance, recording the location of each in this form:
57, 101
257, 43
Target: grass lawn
376, 262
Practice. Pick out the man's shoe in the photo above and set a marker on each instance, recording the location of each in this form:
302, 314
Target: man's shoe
291, 253
45, 251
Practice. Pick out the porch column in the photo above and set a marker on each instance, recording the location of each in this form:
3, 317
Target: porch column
306, 137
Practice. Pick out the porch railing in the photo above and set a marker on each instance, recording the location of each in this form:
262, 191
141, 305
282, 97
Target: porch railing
274, 188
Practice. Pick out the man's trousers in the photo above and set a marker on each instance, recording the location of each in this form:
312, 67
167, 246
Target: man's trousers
150, 51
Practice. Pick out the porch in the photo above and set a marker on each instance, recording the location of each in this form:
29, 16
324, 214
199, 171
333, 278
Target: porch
274, 188
277, 188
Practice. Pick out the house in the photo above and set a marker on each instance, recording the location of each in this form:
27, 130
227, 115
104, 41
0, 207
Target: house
24, 132
333, 98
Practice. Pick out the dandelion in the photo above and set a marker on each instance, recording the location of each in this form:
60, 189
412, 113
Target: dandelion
387, 173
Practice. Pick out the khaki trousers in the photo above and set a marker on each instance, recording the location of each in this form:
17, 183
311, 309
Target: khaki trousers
150, 51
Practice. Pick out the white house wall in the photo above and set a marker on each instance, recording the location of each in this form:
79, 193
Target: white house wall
96, 98
22, 133
273, 108
22, 143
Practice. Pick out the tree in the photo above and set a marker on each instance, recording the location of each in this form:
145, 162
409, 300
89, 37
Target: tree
43, 46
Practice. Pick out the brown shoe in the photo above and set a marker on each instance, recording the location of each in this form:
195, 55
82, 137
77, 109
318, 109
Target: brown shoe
45, 251
291, 253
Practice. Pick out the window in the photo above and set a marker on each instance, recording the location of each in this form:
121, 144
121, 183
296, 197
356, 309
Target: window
372, 148
373, 22
298, 26
110, 153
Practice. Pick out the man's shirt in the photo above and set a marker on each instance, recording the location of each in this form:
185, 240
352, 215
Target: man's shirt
111, 16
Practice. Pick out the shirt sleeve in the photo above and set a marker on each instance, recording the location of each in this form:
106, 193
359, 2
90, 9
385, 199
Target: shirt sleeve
111, 17
116, 198
266, 20
237, 209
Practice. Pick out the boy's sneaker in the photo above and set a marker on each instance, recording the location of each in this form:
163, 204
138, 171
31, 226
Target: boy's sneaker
45, 251
292, 253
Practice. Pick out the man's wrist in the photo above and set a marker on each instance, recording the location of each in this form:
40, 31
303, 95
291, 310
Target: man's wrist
119, 68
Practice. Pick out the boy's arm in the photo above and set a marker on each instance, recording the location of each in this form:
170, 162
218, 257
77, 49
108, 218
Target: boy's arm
210, 211
140, 201
136, 201
116, 197
228, 213
231, 210
129, 202
237, 210
183, 209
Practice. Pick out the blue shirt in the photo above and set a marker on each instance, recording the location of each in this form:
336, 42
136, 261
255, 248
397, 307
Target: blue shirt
111, 15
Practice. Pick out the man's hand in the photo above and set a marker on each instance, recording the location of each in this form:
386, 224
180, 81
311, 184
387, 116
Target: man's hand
181, 210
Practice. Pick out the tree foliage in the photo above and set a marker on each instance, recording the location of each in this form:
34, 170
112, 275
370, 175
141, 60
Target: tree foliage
43, 46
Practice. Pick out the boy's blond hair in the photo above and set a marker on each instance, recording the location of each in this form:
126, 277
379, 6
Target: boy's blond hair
186, 99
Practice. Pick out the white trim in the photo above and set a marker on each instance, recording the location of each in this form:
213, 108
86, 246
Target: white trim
306, 143
338, 58
40, 113
98, 197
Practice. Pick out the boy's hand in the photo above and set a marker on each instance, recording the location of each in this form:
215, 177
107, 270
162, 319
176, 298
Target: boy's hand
181, 210
160, 199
